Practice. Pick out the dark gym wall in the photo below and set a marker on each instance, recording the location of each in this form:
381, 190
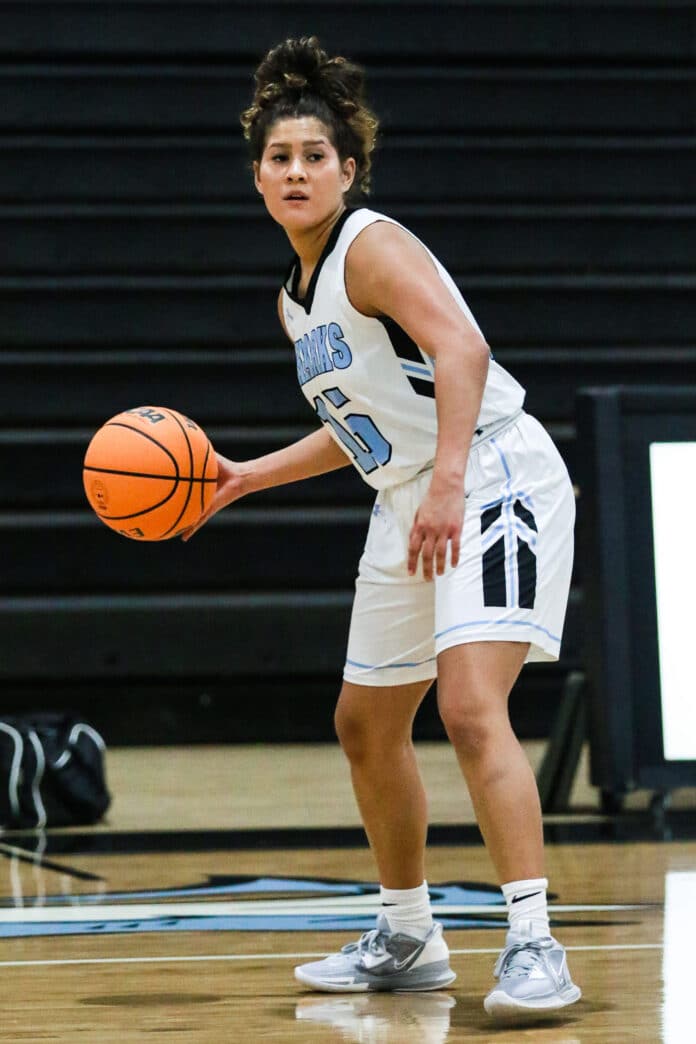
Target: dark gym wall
546, 152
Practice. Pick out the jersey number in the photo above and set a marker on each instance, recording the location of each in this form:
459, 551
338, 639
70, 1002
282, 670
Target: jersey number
362, 437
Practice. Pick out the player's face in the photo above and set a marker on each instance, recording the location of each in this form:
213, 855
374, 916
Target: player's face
300, 174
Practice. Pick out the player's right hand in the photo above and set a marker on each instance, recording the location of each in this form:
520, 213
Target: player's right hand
230, 487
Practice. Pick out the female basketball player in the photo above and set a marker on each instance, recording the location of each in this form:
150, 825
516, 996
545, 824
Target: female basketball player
467, 564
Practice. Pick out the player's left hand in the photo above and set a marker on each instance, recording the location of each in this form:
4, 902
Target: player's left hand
438, 522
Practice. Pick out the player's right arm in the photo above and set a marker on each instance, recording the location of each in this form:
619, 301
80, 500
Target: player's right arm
315, 454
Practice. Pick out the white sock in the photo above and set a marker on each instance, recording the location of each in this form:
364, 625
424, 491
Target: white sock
526, 905
407, 909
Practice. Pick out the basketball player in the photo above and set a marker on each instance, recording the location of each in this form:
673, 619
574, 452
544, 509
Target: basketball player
466, 568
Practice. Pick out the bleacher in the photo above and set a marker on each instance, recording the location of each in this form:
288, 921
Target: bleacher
545, 152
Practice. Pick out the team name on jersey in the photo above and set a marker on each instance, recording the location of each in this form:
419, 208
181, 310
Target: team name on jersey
321, 350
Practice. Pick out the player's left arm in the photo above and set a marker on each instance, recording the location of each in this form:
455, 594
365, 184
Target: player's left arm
389, 273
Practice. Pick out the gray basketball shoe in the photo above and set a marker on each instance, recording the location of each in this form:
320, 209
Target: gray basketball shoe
383, 960
533, 978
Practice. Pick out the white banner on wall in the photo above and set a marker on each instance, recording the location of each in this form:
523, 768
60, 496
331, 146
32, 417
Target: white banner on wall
673, 485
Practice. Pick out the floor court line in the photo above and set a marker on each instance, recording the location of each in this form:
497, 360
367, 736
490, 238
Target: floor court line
198, 958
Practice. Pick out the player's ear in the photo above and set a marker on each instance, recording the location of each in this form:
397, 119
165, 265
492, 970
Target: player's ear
256, 165
348, 173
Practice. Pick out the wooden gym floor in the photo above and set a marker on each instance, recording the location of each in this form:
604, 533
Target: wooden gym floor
180, 918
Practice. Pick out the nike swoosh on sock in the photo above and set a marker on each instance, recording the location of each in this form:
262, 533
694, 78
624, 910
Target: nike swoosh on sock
519, 898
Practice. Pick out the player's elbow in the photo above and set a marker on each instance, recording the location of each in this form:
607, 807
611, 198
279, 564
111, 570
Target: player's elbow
460, 341
469, 346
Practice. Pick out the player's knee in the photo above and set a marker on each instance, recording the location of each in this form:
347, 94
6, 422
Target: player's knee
352, 730
363, 735
471, 731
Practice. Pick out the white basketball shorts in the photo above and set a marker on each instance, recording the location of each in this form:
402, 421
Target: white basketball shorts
513, 577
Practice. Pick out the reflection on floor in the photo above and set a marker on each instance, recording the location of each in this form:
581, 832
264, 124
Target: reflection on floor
414, 1018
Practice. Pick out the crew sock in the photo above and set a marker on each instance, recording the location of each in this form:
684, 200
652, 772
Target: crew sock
407, 909
527, 909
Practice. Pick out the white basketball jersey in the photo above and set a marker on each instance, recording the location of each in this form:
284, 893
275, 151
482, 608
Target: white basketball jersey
367, 381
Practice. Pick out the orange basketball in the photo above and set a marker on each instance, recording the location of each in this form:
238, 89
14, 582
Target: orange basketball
150, 473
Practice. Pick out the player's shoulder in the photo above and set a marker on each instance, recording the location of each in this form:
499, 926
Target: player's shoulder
379, 232
370, 252
383, 244
377, 261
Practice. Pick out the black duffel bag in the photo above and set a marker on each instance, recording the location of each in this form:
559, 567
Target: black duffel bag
52, 771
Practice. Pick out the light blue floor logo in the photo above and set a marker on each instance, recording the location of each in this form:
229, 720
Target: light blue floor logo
289, 904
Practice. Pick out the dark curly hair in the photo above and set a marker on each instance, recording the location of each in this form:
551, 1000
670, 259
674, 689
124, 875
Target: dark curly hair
297, 78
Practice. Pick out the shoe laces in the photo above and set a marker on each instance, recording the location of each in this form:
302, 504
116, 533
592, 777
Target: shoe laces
519, 959
373, 942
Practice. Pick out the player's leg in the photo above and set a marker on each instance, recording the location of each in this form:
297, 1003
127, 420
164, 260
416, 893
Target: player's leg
474, 683
390, 665
374, 726
405, 951
504, 604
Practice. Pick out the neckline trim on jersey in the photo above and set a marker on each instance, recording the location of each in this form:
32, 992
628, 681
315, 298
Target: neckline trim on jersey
292, 279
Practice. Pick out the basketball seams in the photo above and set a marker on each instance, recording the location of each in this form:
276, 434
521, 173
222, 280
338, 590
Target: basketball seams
146, 474
145, 511
175, 417
203, 478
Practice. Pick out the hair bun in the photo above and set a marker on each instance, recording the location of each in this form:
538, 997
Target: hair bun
294, 65
295, 81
